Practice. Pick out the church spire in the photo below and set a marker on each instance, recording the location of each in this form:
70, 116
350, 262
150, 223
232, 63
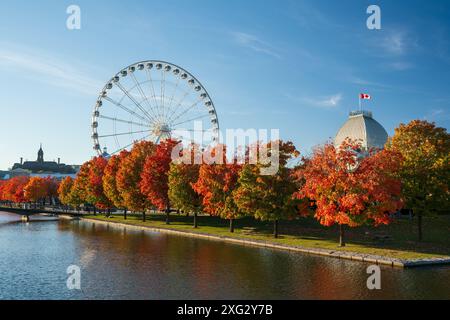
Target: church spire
40, 158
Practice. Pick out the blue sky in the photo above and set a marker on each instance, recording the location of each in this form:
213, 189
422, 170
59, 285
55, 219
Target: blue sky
293, 65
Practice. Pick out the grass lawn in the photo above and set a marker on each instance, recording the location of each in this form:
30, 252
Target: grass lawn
307, 232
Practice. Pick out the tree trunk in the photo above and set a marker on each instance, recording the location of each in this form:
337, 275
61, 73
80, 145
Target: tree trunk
143, 216
167, 215
275, 229
124, 214
419, 225
195, 220
231, 225
341, 236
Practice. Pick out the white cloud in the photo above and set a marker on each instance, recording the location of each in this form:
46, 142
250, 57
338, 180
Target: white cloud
49, 70
254, 43
332, 101
396, 43
400, 66
326, 102
437, 115
307, 16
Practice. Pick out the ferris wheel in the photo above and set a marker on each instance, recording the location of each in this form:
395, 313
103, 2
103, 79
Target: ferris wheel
152, 100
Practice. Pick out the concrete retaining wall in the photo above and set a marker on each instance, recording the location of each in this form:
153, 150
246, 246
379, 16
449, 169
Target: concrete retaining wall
373, 259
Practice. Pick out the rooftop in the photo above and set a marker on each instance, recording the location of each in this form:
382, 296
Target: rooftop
363, 127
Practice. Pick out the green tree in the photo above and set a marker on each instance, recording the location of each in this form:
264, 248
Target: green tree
425, 169
181, 193
269, 197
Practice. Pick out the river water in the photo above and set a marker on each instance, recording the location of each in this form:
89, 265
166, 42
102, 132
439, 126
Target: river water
119, 263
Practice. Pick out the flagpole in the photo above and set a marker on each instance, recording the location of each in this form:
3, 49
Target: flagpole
359, 102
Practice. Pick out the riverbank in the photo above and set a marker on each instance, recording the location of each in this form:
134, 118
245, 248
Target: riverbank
211, 228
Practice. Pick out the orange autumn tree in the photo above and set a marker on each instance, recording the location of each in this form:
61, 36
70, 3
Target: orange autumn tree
78, 192
110, 181
351, 190
154, 178
216, 183
425, 169
35, 190
129, 177
64, 190
13, 190
94, 186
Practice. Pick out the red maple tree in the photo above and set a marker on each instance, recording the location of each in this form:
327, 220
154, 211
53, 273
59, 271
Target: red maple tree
351, 190
129, 177
13, 190
154, 178
216, 183
94, 187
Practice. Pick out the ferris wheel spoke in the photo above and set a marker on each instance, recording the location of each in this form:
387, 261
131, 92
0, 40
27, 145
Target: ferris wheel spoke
141, 91
118, 104
181, 133
129, 145
116, 139
124, 121
123, 133
153, 93
192, 119
178, 104
172, 97
150, 118
179, 136
161, 90
192, 130
186, 110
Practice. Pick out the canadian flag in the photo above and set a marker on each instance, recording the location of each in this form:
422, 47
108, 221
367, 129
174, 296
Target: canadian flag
365, 96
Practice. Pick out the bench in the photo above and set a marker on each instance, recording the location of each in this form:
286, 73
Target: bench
382, 237
248, 230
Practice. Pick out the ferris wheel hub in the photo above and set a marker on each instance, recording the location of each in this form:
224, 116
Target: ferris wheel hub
162, 130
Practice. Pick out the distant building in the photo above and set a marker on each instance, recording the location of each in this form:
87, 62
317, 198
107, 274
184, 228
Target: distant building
4, 175
18, 173
42, 168
363, 127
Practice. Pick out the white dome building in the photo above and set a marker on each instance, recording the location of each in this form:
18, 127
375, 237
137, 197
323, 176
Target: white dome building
362, 127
